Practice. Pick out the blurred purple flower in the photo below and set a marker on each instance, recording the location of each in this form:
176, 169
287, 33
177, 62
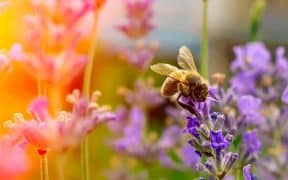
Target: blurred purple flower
133, 134
170, 137
249, 108
252, 55
284, 97
217, 140
281, 61
243, 83
189, 156
143, 95
252, 142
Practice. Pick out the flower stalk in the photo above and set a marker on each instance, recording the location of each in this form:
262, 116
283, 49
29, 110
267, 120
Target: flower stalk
204, 45
87, 93
256, 13
44, 166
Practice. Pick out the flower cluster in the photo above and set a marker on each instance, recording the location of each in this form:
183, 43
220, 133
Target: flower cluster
254, 66
65, 131
210, 141
138, 25
136, 139
56, 28
260, 100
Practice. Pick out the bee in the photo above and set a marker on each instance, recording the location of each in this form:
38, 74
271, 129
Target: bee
186, 80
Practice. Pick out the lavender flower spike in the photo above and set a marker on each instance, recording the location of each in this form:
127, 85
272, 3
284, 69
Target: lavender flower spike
247, 173
218, 142
252, 142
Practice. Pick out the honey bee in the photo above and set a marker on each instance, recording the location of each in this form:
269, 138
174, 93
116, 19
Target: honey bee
187, 80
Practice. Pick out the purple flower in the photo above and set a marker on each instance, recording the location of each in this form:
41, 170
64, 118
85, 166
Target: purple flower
249, 107
192, 124
189, 156
252, 55
170, 137
281, 62
217, 140
252, 142
133, 133
284, 97
243, 83
143, 95
246, 172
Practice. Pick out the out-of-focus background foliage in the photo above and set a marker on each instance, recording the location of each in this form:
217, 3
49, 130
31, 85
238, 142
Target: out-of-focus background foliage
178, 23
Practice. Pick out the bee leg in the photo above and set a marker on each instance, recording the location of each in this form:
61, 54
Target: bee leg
190, 107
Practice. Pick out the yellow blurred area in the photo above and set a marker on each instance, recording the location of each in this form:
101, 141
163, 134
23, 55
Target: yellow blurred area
17, 87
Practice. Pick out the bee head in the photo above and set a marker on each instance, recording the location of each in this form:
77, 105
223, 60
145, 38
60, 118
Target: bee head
200, 93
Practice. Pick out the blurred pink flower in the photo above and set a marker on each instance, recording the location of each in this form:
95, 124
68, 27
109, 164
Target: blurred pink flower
140, 10
136, 30
61, 67
55, 29
138, 15
141, 56
64, 131
13, 160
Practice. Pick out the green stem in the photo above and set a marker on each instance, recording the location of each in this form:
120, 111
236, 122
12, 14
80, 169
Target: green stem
256, 13
204, 45
89, 66
44, 167
87, 93
85, 159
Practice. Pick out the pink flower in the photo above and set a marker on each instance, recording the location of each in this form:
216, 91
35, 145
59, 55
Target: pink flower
55, 31
136, 30
141, 56
61, 67
64, 131
139, 9
139, 14
13, 160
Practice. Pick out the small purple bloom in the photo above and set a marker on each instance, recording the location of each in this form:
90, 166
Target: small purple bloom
249, 107
246, 172
284, 97
189, 156
217, 140
252, 142
192, 124
281, 61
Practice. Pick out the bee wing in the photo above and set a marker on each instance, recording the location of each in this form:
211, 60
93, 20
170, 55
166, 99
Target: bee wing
169, 87
163, 69
185, 59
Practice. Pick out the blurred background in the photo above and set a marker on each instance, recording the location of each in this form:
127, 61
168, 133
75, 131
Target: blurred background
177, 23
